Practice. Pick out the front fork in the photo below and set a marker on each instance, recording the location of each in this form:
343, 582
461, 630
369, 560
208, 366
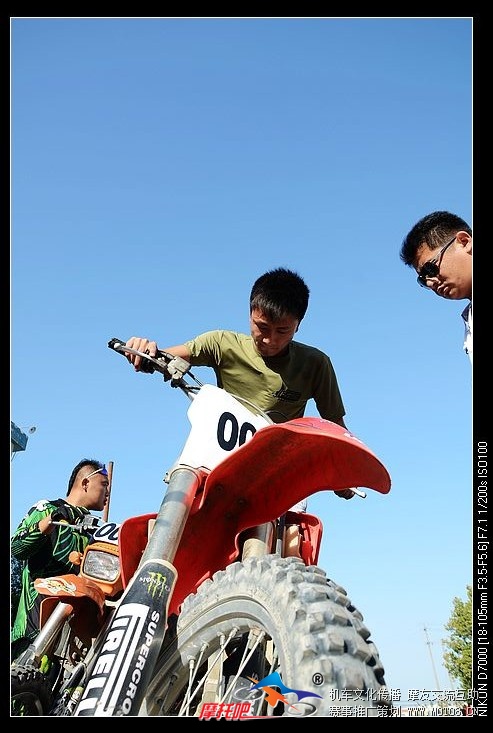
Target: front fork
124, 666
258, 541
47, 636
278, 537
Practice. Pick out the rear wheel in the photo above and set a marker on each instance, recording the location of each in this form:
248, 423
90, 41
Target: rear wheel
268, 617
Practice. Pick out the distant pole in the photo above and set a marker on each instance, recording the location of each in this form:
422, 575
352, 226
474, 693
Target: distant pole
437, 681
106, 509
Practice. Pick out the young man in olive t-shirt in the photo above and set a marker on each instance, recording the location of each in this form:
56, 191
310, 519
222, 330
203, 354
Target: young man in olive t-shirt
267, 367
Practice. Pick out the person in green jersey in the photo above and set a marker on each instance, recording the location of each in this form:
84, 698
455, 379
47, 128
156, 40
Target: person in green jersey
43, 548
267, 367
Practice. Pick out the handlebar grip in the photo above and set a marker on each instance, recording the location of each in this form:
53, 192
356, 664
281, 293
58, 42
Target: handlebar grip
148, 365
113, 343
119, 346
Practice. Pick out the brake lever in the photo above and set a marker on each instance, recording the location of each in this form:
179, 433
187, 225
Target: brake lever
149, 363
170, 366
358, 492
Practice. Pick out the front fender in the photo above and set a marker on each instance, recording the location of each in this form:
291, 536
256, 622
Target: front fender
280, 465
86, 597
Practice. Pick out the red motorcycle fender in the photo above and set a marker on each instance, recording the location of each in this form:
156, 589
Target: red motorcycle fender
280, 465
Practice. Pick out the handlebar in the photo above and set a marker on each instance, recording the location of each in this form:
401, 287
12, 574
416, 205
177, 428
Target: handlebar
173, 368
89, 522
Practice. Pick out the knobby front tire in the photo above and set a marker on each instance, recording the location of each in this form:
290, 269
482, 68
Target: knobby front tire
298, 624
30, 692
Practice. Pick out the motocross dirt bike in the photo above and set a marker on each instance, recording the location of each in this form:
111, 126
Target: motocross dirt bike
197, 610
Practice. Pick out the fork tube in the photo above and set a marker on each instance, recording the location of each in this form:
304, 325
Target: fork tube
258, 541
173, 513
124, 665
47, 634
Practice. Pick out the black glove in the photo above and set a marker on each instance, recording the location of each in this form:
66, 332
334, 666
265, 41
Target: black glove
68, 513
345, 493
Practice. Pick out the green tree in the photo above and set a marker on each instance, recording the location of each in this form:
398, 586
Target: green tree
457, 656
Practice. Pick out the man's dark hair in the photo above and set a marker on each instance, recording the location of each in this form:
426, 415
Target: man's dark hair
433, 230
95, 465
279, 293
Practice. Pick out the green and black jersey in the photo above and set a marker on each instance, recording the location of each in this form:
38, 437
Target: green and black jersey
42, 556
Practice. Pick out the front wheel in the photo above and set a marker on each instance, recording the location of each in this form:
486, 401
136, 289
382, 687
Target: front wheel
275, 618
30, 692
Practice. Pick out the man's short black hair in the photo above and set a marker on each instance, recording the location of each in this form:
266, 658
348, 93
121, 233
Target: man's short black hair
279, 293
433, 230
95, 465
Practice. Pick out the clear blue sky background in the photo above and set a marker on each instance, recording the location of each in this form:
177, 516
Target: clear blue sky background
159, 165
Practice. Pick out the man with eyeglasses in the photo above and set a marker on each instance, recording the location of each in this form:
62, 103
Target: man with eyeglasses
439, 247
43, 547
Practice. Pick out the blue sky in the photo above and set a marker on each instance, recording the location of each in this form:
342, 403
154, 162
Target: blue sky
159, 165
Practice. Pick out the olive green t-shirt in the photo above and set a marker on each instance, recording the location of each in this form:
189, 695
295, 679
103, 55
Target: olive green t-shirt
281, 385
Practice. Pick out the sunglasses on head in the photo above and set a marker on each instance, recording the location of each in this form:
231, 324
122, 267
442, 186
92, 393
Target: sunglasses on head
431, 268
102, 471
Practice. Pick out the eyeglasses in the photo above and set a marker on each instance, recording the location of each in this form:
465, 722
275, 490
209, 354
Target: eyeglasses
102, 471
431, 268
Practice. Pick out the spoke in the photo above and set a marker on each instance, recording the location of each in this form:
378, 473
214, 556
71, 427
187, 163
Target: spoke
243, 662
189, 698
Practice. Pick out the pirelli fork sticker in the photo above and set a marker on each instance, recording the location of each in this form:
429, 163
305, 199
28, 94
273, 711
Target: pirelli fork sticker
131, 645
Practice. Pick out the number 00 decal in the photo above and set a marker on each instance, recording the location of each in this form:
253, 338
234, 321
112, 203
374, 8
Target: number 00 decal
237, 434
107, 533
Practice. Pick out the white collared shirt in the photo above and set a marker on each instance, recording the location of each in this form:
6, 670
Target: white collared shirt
467, 318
